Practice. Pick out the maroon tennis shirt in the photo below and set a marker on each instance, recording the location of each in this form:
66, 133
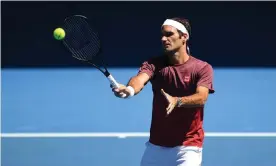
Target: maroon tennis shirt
183, 126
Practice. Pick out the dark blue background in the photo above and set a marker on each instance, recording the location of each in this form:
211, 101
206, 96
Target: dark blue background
223, 33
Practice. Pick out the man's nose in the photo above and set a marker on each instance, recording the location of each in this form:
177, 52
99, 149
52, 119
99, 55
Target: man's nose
164, 38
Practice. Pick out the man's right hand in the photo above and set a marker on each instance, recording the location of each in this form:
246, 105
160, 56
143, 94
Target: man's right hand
119, 92
138, 81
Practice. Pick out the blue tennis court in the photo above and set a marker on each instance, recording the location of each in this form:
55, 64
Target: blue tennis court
80, 100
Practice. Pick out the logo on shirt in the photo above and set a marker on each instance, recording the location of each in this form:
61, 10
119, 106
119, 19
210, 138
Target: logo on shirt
187, 79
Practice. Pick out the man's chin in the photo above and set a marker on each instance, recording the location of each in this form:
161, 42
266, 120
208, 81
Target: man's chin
166, 50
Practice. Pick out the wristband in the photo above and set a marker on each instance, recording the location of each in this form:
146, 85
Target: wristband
132, 91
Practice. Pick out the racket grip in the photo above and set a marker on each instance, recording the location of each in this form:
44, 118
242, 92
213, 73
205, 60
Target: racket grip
114, 83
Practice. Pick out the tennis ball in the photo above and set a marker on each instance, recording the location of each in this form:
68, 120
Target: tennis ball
59, 33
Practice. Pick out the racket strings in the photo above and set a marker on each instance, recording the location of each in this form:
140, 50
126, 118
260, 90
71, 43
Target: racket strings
76, 38
71, 40
81, 40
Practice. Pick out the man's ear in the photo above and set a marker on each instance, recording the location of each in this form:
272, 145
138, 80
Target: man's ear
185, 36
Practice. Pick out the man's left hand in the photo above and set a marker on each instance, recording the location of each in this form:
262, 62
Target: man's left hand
171, 100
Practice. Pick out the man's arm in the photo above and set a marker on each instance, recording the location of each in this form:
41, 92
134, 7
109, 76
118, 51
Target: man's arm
138, 82
204, 87
134, 86
195, 100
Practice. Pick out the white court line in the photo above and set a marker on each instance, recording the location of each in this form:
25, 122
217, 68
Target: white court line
130, 134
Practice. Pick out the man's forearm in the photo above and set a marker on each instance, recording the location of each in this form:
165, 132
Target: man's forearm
194, 100
136, 84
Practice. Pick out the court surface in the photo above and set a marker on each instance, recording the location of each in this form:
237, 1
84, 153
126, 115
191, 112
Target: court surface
79, 102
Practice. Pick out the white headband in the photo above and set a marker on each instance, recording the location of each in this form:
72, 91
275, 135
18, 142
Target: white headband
177, 25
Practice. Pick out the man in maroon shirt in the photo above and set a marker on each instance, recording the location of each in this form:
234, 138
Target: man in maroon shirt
181, 84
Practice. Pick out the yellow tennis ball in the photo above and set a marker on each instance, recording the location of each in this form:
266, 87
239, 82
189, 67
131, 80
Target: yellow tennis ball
59, 33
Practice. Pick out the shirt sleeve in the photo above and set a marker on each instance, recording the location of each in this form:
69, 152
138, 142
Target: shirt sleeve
206, 76
148, 68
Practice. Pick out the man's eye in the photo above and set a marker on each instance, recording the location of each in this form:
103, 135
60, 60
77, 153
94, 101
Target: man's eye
168, 34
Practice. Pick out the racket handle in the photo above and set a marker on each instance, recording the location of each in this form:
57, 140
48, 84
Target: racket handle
114, 83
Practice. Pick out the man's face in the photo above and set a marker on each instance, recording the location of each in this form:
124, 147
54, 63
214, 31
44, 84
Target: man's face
171, 39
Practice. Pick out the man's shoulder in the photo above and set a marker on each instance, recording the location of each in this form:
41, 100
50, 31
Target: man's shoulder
199, 63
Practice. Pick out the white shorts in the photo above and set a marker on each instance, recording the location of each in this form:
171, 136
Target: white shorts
177, 156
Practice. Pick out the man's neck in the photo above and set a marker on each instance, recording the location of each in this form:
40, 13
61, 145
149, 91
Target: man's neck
179, 57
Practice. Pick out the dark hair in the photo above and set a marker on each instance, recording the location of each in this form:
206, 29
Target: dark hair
186, 24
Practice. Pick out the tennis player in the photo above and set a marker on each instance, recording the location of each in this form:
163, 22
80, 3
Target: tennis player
181, 84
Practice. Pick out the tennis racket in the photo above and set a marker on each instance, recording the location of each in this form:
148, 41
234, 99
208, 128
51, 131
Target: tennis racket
83, 41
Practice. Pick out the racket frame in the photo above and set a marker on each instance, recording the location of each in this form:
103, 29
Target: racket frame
107, 74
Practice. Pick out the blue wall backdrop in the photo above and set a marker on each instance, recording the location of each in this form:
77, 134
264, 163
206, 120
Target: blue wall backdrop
45, 90
223, 33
